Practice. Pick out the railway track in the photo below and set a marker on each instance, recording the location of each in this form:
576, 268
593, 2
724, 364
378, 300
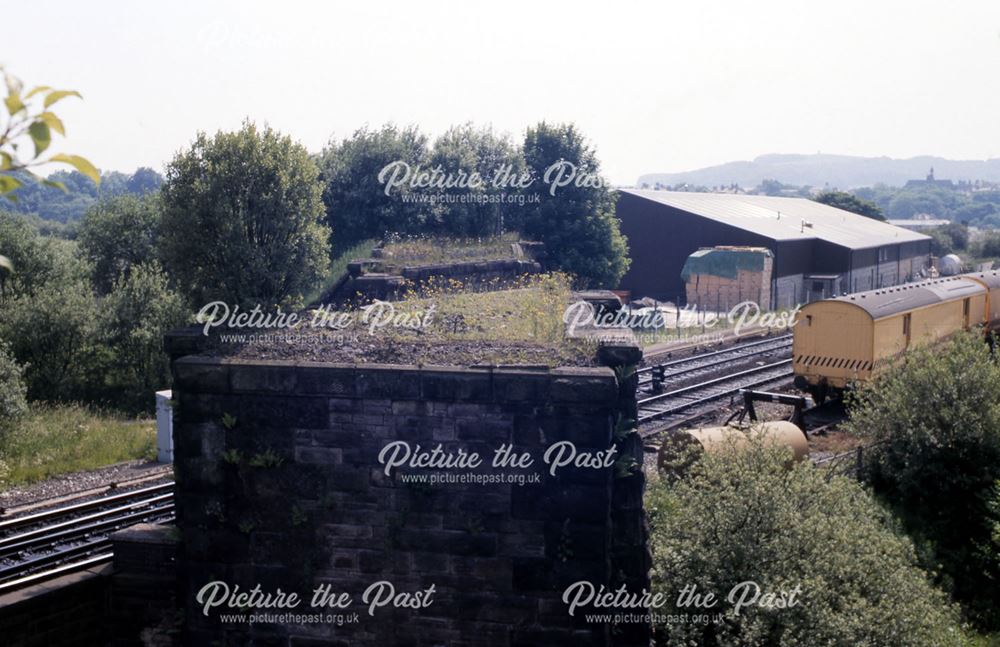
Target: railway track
659, 376
694, 398
62, 539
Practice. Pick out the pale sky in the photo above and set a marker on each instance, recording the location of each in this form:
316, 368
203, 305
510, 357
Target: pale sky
658, 86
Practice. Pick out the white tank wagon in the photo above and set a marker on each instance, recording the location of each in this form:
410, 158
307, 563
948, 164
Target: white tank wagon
681, 448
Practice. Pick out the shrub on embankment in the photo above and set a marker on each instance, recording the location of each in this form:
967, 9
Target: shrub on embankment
933, 426
840, 573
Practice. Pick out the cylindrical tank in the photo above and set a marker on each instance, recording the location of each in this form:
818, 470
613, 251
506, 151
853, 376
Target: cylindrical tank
681, 447
950, 265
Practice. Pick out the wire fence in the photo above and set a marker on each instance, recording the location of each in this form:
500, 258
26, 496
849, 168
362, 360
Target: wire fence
848, 463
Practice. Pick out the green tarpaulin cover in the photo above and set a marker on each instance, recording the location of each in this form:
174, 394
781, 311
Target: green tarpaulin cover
724, 262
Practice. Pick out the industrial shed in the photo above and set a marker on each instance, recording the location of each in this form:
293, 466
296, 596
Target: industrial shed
819, 251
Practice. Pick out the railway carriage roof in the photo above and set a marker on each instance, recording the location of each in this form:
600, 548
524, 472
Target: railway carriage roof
990, 278
901, 298
781, 218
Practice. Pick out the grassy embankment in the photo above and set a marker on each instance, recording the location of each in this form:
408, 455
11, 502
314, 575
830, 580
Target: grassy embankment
57, 439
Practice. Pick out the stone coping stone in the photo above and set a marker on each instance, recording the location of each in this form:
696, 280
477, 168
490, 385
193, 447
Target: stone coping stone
54, 585
201, 374
146, 533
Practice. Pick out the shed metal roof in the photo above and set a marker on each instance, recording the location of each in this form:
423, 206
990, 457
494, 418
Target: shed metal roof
782, 218
917, 224
891, 301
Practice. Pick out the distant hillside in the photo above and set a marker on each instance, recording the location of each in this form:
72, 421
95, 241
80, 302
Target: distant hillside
69, 206
835, 171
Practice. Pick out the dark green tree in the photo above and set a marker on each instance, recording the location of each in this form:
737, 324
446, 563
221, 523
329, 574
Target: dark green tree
117, 234
988, 245
975, 211
941, 243
243, 219
53, 335
144, 180
948, 239
357, 203
576, 222
772, 187
13, 395
852, 203
36, 261
136, 314
481, 153
909, 202
958, 233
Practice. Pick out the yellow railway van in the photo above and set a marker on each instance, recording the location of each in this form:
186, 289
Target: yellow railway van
853, 337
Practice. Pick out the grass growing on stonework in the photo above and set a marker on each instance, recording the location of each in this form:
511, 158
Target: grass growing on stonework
338, 266
431, 250
58, 439
443, 323
529, 309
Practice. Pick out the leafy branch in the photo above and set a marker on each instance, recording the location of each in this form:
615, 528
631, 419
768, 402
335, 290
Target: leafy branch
29, 118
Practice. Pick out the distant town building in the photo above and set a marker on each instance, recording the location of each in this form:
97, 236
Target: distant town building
930, 181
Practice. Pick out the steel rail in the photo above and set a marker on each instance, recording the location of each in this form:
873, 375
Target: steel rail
65, 569
734, 385
30, 519
80, 532
731, 349
49, 528
54, 557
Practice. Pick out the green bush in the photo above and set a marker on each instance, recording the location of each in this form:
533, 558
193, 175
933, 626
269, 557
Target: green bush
987, 245
54, 335
949, 239
38, 261
73, 345
577, 223
934, 422
850, 202
13, 395
742, 515
140, 309
357, 206
338, 267
117, 234
243, 220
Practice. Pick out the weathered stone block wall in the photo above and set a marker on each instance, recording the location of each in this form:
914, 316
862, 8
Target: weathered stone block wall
128, 603
279, 484
142, 607
66, 611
